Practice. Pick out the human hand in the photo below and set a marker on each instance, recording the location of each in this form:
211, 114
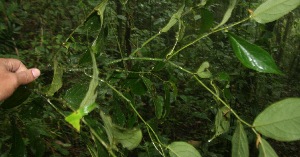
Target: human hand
14, 73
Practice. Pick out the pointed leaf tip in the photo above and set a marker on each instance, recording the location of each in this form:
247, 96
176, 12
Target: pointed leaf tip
253, 56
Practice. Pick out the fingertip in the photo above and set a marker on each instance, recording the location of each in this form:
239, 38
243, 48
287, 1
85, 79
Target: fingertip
35, 72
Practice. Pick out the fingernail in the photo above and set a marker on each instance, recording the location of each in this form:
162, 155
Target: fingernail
36, 72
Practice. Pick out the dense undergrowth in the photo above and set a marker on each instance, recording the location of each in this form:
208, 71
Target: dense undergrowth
130, 78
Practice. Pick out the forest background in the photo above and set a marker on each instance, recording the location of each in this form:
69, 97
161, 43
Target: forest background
130, 78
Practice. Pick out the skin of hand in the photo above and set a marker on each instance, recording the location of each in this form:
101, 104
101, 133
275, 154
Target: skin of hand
14, 73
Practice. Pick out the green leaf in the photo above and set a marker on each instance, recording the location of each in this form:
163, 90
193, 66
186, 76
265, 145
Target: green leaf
239, 141
253, 56
272, 10
206, 21
88, 102
57, 79
222, 121
227, 15
174, 19
182, 149
18, 148
203, 71
136, 84
75, 117
159, 106
128, 138
75, 95
265, 149
280, 121
18, 97
100, 10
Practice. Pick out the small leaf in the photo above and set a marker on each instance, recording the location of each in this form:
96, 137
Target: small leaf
222, 121
227, 15
158, 102
203, 71
57, 79
174, 19
272, 10
253, 56
280, 121
265, 149
100, 10
239, 141
182, 149
128, 138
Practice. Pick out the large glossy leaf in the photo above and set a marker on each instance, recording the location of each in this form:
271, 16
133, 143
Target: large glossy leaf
174, 19
18, 97
239, 142
272, 10
253, 56
182, 149
265, 149
227, 15
280, 121
57, 79
128, 138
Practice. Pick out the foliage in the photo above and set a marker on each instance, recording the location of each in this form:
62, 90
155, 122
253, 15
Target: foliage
148, 78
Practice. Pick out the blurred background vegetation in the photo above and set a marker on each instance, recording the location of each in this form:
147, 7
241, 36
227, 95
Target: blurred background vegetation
35, 32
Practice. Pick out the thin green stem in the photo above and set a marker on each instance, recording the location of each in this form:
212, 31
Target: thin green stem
169, 56
99, 138
222, 101
144, 44
133, 108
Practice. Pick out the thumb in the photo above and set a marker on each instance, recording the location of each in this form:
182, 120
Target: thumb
25, 77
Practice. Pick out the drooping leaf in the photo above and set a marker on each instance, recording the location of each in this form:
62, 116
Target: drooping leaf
167, 99
253, 56
227, 15
222, 121
37, 145
128, 138
88, 102
272, 10
159, 106
280, 120
18, 148
18, 97
57, 79
174, 19
239, 142
100, 10
265, 149
182, 149
203, 71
